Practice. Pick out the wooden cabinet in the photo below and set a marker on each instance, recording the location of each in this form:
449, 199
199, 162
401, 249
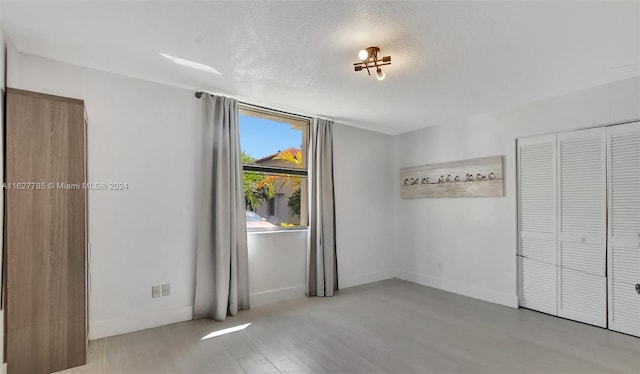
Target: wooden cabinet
46, 327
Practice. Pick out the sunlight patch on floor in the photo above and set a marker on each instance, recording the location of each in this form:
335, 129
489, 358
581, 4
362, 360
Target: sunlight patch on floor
226, 331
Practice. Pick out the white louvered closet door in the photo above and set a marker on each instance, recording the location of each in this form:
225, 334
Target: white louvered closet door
582, 234
624, 228
537, 223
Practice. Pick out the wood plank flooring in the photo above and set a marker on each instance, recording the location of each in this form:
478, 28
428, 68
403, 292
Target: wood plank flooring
391, 326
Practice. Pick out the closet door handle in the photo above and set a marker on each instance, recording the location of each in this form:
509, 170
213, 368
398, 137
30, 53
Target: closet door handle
638, 288
583, 240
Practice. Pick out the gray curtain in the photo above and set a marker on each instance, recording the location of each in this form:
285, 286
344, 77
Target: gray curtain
322, 272
222, 276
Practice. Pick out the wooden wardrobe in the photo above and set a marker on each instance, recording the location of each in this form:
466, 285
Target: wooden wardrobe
45, 233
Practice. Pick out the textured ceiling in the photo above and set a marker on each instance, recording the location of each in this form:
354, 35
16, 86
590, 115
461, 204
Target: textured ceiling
450, 60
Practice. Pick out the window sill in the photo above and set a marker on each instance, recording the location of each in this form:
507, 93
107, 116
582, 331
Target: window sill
276, 230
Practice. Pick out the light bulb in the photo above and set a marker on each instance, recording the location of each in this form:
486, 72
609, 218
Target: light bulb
380, 74
363, 54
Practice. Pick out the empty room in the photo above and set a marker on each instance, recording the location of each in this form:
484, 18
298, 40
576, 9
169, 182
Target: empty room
320, 187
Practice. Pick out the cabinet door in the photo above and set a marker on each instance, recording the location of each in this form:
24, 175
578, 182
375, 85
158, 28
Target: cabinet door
582, 285
624, 228
537, 251
45, 233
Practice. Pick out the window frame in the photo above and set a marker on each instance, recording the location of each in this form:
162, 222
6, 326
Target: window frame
296, 121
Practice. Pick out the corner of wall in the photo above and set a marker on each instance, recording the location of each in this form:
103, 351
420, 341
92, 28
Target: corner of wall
362, 170
364, 278
395, 209
3, 86
12, 63
460, 288
278, 295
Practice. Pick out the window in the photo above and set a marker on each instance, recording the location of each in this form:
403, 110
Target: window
272, 207
274, 163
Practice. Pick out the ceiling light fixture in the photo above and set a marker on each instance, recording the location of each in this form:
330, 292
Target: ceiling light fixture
370, 59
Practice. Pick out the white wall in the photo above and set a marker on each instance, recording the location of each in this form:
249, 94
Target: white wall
143, 134
13, 57
277, 265
468, 245
146, 134
363, 169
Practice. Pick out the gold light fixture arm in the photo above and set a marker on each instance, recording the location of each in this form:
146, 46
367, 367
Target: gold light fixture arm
372, 61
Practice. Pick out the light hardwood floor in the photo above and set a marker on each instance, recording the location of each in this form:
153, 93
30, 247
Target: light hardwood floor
386, 327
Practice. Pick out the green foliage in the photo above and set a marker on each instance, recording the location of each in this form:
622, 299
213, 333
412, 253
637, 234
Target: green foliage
255, 192
259, 187
294, 202
246, 159
293, 157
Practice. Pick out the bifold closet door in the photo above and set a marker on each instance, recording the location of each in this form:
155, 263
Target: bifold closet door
624, 228
537, 253
582, 202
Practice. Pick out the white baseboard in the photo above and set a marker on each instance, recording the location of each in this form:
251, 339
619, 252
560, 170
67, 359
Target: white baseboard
460, 288
4, 369
274, 296
358, 279
141, 321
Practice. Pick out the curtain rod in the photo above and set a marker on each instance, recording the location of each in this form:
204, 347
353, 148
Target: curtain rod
275, 111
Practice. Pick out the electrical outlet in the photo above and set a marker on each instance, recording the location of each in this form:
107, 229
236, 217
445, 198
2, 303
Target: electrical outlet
166, 289
155, 291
